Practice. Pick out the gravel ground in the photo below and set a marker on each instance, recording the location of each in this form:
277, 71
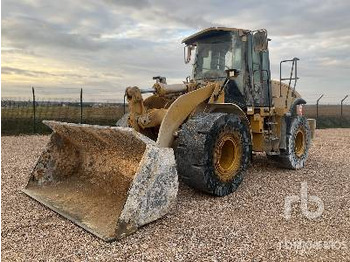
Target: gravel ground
248, 225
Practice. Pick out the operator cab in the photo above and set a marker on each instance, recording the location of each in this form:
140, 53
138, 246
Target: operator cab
238, 54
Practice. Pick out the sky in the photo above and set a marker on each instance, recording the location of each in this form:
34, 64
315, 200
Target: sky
104, 46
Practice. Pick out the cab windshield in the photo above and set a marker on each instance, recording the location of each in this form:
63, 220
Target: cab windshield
212, 60
213, 57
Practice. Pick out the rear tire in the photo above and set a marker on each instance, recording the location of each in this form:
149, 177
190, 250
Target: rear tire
213, 152
297, 146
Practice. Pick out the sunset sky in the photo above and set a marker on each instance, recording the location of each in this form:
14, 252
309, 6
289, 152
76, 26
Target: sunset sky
104, 46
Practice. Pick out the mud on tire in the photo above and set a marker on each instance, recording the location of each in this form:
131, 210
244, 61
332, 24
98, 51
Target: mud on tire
298, 144
213, 152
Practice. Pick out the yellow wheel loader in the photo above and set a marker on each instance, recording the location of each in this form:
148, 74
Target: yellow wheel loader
112, 180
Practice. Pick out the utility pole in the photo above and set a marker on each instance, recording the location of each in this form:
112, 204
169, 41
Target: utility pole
341, 104
318, 100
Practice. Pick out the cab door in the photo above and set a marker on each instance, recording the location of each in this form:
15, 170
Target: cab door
259, 64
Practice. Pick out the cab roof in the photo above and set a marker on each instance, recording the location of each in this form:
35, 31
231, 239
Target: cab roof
210, 32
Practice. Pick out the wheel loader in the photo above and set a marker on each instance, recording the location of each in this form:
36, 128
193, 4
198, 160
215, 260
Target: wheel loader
204, 131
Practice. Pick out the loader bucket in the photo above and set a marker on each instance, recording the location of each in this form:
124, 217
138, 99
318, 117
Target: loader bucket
108, 180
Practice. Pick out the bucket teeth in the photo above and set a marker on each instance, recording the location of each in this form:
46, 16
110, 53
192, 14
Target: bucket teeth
108, 180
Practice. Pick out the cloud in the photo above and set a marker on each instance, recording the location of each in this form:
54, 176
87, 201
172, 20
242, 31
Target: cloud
117, 43
33, 73
27, 33
129, 3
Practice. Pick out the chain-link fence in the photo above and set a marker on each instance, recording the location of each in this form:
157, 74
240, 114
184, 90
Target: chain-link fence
329, 116
23, 116
19, 116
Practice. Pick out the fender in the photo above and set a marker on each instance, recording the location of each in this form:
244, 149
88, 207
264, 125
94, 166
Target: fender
231, 108
228, 108
292, 112
298, 101
286, 121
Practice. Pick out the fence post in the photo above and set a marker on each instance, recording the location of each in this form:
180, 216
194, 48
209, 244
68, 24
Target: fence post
124, 105
34, 117
341, 105
81, 105
317, 105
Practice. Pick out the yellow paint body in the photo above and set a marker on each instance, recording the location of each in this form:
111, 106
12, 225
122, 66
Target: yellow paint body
177, 107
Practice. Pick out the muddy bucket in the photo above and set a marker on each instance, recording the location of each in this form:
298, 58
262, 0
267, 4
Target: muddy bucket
108, 180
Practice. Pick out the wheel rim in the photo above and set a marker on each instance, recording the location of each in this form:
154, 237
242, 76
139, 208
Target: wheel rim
227, 156
299, 147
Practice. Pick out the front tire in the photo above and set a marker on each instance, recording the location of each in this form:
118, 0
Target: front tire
213, 152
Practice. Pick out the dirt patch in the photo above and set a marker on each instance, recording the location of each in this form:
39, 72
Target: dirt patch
248, 225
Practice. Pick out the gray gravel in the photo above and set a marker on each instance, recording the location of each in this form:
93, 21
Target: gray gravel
248, 225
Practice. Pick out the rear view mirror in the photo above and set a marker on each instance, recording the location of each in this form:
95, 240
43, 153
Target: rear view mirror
260, 40
187, 53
